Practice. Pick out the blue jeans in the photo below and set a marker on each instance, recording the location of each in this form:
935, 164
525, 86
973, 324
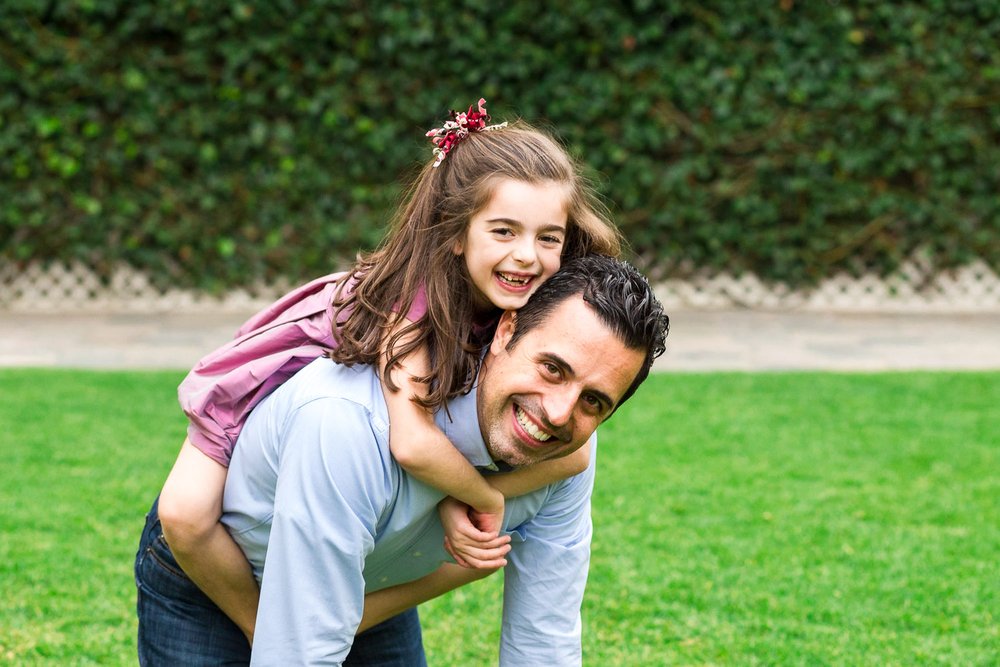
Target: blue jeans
179, 625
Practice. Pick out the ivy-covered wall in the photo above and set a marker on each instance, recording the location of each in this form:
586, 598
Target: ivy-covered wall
222, 142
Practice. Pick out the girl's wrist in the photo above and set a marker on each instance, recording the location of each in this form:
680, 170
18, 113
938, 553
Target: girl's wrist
495, 503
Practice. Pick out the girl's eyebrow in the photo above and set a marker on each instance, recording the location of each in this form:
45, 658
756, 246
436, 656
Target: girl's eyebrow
553, 227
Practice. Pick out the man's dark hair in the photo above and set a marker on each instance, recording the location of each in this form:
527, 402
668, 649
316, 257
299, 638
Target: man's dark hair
619, 295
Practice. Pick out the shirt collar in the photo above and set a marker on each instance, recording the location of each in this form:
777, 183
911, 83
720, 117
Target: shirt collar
461, 424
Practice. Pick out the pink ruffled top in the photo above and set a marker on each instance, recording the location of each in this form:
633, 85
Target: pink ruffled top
270, 347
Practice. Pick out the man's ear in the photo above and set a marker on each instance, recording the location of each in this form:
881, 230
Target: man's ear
504, 332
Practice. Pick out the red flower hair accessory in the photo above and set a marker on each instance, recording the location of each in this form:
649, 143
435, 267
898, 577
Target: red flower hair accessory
458, 127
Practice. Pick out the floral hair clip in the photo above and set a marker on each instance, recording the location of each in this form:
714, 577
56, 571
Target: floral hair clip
458, 127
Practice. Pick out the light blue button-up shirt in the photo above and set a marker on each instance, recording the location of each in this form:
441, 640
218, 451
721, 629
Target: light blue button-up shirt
325, 514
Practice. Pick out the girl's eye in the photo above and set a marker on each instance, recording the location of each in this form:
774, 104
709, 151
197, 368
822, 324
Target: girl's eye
553, 240
503, 231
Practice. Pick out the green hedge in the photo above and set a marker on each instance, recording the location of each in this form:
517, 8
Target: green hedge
219, 143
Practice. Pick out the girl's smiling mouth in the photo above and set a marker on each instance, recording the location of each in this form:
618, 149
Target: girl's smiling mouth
515, 281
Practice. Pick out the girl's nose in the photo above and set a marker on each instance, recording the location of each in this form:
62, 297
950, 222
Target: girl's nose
524, 252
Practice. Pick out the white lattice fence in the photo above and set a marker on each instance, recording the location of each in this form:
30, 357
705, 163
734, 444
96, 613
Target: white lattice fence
75, 288
42, 288
972, 288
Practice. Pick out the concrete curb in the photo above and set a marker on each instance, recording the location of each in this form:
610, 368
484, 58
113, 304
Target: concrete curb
741, 340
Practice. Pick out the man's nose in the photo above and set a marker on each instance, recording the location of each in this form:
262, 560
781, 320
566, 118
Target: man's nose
559, 406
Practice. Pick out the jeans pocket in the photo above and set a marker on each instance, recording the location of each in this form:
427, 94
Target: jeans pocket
158, 573
160, 551
178, 624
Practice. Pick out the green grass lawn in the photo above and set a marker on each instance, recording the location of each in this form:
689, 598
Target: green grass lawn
799, 519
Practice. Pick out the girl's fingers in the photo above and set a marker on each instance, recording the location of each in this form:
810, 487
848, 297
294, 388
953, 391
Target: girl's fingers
454, 554
495, 543
487, 542
491, 564
472, 533
475, 555
469, 551
487, 553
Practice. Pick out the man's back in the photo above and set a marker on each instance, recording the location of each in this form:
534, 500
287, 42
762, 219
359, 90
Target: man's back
312, 487
327, 420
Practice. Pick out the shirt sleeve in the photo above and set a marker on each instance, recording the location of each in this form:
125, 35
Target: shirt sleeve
545, 578
334, 482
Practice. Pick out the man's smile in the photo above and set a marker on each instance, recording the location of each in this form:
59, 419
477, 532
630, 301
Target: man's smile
529, 426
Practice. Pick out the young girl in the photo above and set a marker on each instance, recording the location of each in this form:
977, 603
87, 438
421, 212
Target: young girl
487, 222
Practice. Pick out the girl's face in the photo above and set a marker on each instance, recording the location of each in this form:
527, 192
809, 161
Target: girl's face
515, 242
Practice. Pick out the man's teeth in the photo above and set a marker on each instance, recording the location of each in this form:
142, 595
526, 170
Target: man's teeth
513, 280
528, 426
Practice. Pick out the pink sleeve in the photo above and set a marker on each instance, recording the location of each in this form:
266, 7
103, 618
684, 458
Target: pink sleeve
221, 390
419, 306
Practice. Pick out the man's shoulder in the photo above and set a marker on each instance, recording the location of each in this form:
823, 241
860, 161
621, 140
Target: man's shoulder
329, 399
325, 377
326, 380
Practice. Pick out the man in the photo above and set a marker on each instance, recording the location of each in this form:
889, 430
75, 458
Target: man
325, 515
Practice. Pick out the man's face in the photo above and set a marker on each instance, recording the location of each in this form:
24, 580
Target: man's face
543, 398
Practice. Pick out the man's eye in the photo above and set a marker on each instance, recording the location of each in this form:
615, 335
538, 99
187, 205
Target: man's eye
593, 404
551, 368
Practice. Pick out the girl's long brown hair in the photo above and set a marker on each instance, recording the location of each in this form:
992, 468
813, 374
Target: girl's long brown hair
419, 251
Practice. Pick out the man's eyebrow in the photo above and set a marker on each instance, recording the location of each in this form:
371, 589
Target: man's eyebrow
568, 370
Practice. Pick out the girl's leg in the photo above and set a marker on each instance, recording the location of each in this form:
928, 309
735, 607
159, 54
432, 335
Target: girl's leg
190, 509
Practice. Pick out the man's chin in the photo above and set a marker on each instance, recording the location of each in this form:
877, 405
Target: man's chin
511, 461
519, 459
517, 454
512, 458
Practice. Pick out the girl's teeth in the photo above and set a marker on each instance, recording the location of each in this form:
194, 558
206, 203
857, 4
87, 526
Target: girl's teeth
512, 280
528, 426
